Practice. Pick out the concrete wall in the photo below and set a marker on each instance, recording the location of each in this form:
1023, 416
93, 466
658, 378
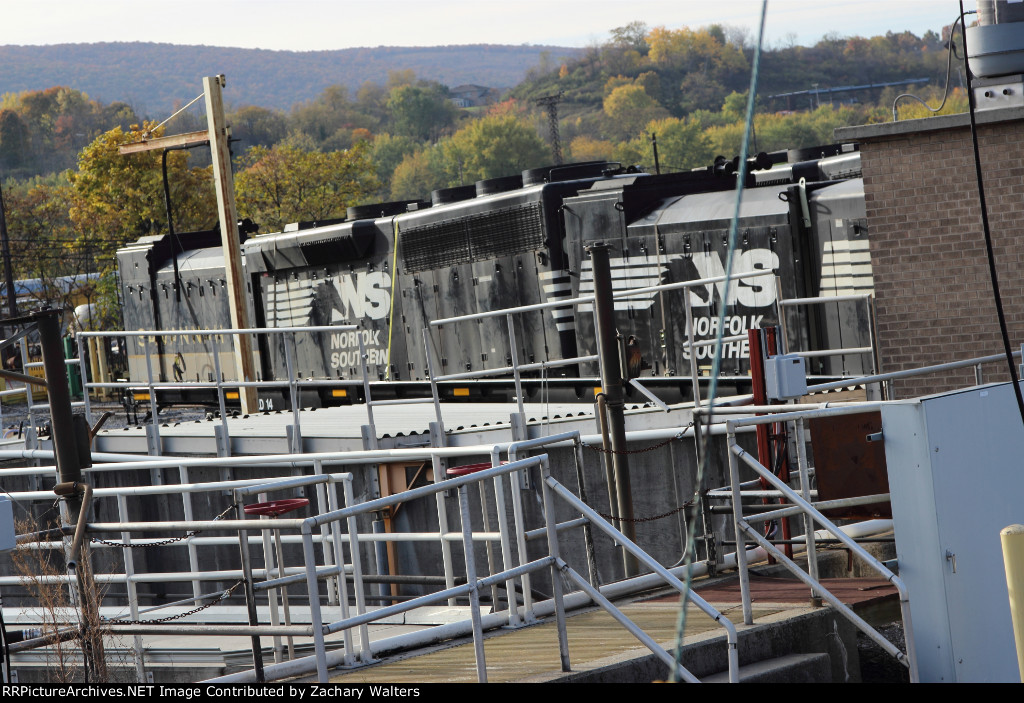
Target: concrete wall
933, 291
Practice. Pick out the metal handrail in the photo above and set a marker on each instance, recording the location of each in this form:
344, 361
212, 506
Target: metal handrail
811, 515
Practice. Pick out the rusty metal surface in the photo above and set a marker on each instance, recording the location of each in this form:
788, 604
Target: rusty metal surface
847, 465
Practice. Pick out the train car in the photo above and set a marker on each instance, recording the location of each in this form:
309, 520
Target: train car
392, 268
813, 236
177, 283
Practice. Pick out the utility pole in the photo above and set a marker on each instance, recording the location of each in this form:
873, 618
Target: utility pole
224, 181
217, 137
12, 303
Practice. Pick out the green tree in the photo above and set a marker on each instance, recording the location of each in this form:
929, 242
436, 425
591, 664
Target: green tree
14, 141
629, 107
386, 153
495, 145
257, 126
420, 112
420, 173
681, 145
287, 184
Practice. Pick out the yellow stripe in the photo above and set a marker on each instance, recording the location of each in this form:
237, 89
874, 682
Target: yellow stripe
391, 316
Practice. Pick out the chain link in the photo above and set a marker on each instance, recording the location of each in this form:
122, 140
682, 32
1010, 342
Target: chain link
165, 542
651, 448
223, 596
684, 506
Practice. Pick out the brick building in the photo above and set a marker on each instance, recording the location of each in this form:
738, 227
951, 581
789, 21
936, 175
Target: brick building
934, 299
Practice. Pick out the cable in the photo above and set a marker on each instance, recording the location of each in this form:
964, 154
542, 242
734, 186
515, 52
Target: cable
996, 297
949, 66
149, 132
717, 365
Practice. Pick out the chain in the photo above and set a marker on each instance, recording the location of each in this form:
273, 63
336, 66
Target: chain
165, 542
651, 448
222, 596
684, 506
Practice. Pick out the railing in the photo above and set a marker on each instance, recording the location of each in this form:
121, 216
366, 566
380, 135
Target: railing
867, 298
801, 505
293, 384
333, 527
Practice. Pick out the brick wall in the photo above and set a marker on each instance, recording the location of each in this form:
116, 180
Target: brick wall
933, 291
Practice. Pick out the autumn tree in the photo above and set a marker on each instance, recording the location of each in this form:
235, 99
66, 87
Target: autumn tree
118, 198
287, 184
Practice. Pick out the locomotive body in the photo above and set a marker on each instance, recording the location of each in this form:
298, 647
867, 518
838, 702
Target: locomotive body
391, 269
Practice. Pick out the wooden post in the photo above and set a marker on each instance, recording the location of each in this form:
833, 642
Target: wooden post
212, 86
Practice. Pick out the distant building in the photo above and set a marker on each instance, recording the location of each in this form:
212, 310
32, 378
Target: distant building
469, 95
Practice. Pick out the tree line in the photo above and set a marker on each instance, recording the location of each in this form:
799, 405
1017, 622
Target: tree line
71, 200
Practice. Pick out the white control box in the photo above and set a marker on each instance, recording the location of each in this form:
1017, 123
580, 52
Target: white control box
785, 377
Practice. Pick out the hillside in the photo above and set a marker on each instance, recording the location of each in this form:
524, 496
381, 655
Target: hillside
151, 77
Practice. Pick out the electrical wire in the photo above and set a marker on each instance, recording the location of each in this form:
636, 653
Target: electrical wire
949, 66
741, 176
993, 276
192, 102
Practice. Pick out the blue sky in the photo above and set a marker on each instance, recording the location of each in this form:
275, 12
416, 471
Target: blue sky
302, 25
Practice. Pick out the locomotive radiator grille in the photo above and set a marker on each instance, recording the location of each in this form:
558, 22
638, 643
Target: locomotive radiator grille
480, 237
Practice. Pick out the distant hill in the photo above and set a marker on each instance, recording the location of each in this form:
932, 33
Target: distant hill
151, 77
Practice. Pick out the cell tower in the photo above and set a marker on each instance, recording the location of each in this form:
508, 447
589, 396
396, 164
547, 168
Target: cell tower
551, 103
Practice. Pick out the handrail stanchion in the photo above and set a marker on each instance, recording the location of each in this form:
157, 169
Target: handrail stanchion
133, 589
154, 435
506, 546
339, 559
515, 367
273, 594
316, 617
295, 447
83, 369
250, 593
805, 491
323, 506
737, 517
442, 527
474, 590
187, 513
224, 446
556, 576
520, 522
365, 653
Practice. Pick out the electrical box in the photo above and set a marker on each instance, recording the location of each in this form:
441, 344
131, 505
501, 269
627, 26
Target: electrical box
8, 538
956, 479
785, 377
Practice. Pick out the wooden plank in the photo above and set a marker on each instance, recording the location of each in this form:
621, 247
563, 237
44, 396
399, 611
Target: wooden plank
174, 140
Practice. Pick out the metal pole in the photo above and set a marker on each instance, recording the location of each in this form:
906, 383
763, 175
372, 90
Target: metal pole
611, 385
556, 576
12, 301
474, 589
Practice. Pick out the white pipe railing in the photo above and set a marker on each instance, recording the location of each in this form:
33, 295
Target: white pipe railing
744, 530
